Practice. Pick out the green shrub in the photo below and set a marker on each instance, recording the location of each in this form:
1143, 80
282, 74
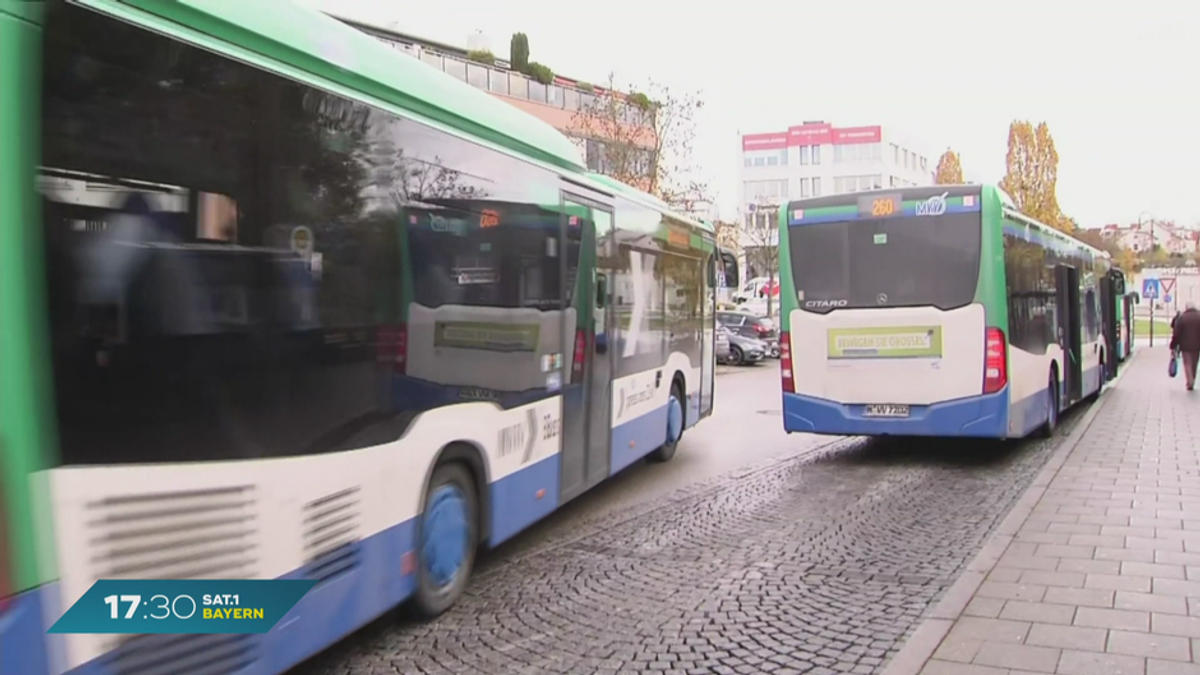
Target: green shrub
639, 99
482, 56
540, 73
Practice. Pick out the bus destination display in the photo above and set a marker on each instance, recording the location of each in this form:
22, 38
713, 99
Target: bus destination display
880, 206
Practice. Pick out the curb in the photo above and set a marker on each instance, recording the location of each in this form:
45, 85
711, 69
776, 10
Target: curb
920, 646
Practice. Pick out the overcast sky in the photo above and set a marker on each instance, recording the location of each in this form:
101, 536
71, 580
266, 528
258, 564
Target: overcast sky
1118, 83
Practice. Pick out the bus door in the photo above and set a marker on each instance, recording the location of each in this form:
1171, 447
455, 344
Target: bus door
1130, 301
587, 401
1108, 320
1070, 327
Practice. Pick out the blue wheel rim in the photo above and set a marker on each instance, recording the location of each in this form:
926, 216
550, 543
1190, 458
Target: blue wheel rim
444, 537
674, 419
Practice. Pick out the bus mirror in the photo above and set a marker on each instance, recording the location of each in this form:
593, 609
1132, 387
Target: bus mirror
729, 262
1137, 298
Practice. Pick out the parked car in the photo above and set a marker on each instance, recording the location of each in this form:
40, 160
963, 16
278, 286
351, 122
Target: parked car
752, 326
722, 344
745, 351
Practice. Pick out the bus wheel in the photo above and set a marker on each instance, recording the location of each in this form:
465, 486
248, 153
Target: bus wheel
1051, 424
447, 533
674, 425
1092, 397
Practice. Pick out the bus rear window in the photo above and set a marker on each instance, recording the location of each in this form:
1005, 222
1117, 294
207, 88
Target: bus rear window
893, 262
512, 264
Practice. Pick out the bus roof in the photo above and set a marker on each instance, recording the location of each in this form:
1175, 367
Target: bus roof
1010, 209
985, 191
319, 44
647, 199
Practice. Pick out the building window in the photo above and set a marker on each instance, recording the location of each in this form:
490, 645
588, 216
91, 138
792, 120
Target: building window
765, 157
816, 155
804, 188
765, 190
804, 154
816, 186
895, 154
923, 164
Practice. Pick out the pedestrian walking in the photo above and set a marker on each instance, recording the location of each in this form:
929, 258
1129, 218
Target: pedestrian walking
1185, 342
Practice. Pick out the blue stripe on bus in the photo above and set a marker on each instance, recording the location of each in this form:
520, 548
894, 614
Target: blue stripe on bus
1030, 412
24, 644
910, 209
636, 438
331, 611
525, 497
983, 416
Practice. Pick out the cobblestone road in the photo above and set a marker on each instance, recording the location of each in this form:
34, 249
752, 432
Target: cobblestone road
817, 563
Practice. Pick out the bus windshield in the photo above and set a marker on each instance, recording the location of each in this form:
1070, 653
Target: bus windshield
889, 262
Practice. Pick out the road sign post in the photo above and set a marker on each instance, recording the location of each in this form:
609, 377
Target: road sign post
1168, 291
1151, 290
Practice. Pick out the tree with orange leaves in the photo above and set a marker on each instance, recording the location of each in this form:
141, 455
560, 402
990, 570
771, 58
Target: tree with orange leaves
949, 169
1032, 176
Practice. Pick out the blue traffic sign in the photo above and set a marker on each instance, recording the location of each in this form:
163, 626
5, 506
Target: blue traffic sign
1167, 299
1150, 289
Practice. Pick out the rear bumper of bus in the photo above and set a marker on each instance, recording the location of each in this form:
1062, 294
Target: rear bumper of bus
984, 416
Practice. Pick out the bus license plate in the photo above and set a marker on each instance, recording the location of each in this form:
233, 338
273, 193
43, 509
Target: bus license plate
885, 410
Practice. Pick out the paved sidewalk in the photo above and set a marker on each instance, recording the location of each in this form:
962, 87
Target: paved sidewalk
1099, 572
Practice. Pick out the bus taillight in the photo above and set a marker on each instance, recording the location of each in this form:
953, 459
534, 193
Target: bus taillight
785, 362
577, 357
401, 365
995, 365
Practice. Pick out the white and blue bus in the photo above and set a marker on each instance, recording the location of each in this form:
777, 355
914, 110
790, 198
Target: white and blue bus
938, 311
277, 301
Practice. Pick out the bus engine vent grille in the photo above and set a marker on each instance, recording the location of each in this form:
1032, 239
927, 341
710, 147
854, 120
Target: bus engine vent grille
180, 654
332, 534
194, 534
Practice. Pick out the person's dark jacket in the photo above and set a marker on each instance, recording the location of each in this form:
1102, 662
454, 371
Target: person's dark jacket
1186, 336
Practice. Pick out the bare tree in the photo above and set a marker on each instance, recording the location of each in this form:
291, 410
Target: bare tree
644, 140
761, 236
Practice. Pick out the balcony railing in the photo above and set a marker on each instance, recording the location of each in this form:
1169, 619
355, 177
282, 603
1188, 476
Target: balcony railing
510, 83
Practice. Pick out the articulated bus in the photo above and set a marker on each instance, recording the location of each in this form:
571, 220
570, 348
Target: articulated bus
277, 301
938, 311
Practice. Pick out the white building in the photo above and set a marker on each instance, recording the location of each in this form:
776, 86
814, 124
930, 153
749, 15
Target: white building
817, 158
1167, 236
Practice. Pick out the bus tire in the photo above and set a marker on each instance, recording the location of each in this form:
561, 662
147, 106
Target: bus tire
1091, 398
447, 539
675, 417
1048, 429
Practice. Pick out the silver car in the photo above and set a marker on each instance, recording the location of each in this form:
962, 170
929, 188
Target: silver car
722, 344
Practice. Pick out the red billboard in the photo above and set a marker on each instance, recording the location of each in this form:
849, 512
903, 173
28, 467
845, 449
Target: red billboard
764, 141
810, 134
851, 135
